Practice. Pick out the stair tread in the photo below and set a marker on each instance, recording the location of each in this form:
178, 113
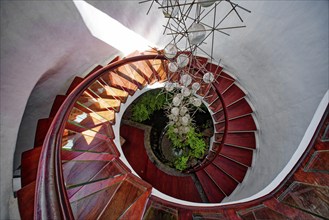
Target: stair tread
29, 165
93, 187
243, 139
245, 123
85, 142
213, 193
232, 94
223, 181
224, 81
237, 109
125, 196
25, 199
237, 171
41, 131
243, 156
92, 206
135, 211
56, 105
76, 81
68, 155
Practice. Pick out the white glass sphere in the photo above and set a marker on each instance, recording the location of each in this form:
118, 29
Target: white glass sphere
185, 79
170, 9
180, 96
175, 111
182, 60
197, 102
176, 101
172, 66
208, 77
183, 111
206, 3
196, 33
170, 51
176, 85
169, 86
186, 129
186, 91
185, 121
196, 86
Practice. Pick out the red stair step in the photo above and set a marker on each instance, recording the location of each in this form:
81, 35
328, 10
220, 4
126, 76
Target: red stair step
56, 105
93, 187
215, 69
41, 131
222, 180
232, 94
85, 156
237, 171
123, 199
81, 172
25, 199
243, 156
224, 81
87, 142
112, 169
214, 194
245, 123
76, 81
92, 206
211, 96
237, 109
243, 139
116, 81
216, 105
102, 131
131, 75
136, 210
29, 165
105, 91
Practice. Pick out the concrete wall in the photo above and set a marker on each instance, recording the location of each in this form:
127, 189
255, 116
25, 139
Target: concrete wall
281, 58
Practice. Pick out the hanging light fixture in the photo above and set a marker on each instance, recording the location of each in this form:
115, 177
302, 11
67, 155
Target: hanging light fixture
194, 34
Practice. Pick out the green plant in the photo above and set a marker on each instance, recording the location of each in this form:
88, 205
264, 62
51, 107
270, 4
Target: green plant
193, 143
144, 107
196, 143
181, 163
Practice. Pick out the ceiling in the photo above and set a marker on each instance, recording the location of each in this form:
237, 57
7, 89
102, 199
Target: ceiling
281, 59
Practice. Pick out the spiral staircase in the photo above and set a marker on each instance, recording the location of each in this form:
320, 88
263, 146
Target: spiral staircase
76, 171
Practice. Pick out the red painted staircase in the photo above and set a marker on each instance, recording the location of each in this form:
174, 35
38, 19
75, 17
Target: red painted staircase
75, 171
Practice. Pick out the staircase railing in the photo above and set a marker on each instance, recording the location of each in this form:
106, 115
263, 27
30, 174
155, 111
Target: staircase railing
51, 201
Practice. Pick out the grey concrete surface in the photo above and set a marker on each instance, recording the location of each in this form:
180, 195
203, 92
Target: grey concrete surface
281, 59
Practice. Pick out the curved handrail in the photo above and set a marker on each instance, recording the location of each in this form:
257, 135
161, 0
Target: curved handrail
51, 201
208, 159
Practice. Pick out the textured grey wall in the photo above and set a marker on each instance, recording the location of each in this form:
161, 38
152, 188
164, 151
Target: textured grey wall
281, 58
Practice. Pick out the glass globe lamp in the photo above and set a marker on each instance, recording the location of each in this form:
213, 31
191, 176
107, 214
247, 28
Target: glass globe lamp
208, 77
170, 8
206, 3
172, 66
196, 86
185, 79
182, 60
175, 111
196, 33
186, 91
170, 51
169, 86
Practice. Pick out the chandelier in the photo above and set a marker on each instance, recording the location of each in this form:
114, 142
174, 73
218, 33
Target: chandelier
192, 26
